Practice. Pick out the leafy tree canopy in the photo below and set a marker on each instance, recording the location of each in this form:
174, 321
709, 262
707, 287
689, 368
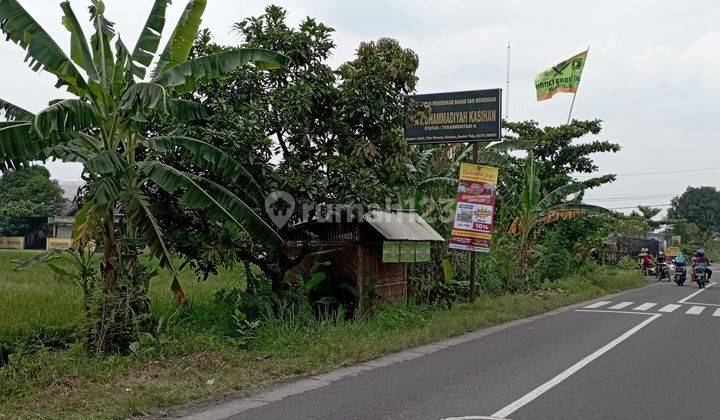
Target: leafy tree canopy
27, 192
647, 214
700, 206
323, 135
560, 155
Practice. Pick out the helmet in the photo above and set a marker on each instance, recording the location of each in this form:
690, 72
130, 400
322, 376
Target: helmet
699, 253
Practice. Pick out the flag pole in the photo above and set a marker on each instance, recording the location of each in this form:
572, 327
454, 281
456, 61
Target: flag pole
572, 104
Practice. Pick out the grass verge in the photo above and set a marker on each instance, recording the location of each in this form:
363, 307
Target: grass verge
199, 361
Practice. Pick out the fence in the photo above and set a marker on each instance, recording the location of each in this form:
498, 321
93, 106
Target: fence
12, 242
58, 243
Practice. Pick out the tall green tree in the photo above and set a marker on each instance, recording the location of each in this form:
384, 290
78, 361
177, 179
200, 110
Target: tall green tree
561, 154
118, 92
325, 136
700, 206
27, 192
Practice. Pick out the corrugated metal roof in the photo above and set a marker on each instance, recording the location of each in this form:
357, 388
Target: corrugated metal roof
402, 226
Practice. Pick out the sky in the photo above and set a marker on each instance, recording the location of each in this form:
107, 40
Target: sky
651, 75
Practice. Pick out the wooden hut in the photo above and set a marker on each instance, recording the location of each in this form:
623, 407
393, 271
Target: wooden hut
355, 250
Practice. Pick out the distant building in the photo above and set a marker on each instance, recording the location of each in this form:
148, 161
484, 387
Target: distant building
62, 224
664, 239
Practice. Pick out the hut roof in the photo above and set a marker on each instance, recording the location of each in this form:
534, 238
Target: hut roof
402, 226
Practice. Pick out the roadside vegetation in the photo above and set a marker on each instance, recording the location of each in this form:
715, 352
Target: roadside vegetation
181, 147
203, 351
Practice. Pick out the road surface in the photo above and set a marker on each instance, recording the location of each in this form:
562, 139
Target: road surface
647, 353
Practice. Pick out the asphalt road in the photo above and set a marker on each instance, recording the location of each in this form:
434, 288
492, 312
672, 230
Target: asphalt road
648, 353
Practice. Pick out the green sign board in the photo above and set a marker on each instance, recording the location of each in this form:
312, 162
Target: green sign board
391, 252
457, 117
394, 252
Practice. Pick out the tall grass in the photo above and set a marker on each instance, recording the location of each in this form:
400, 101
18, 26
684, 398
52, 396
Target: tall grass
33, 303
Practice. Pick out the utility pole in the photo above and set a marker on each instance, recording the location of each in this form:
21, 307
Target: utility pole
507, 85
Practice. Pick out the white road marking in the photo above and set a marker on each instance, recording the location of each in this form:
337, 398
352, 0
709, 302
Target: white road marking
644, 306
530, 396
695, 310
472, 418
683, 300
668, 308
717, 312
603, 311
598, 304
621, 305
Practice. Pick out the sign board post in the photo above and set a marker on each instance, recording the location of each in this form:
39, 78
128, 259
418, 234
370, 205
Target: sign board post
472, 292
474, 213
456, 117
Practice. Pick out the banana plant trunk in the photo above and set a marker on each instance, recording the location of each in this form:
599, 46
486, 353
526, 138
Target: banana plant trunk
109, 264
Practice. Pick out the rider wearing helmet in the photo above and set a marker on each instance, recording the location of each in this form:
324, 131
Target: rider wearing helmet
660, 264
698, 259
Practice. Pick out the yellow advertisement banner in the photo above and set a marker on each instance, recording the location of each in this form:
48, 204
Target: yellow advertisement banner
470, 234
478, 173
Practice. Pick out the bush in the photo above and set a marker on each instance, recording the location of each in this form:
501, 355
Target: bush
627, 263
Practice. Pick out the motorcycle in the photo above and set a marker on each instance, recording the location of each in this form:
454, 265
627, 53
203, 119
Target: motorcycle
662, 272
680, 275
701, 275
650, 272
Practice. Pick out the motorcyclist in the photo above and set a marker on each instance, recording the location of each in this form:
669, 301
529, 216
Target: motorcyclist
660, 262
646, 262
680, 260
700, 258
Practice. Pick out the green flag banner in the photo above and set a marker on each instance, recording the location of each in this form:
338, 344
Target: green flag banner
562, 77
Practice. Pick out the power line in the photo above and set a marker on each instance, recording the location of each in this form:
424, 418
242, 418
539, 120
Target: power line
632, 197
634, 207
679, 171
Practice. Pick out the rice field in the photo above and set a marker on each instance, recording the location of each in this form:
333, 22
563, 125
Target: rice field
34, 302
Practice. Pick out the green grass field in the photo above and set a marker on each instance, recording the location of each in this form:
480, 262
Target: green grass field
33, 302
49, 383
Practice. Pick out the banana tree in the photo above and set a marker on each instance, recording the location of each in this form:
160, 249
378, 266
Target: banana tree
531, 210
118, 93
436, 174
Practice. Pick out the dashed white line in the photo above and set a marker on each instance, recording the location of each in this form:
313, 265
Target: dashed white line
644, 306
530, 396
621, 305
598, 304
669, 308
717, 312
695, 310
